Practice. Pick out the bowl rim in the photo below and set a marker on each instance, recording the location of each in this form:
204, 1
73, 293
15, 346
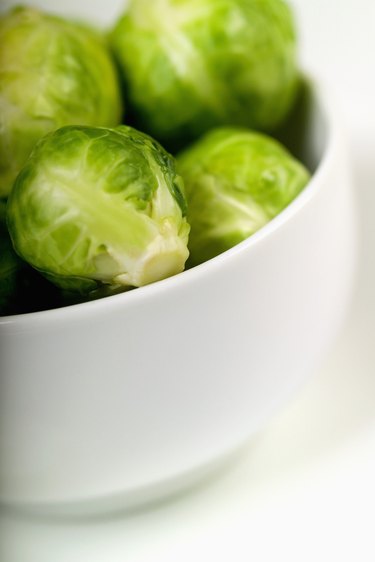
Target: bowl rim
334, 134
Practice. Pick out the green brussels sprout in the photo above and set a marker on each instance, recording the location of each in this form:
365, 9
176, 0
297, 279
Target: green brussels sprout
236, 181
22, 289
52, 73
191, 65
96, 206
10, 265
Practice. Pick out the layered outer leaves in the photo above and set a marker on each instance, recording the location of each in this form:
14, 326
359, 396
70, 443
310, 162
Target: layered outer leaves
52, 73
236, 181
191, 65
98, 205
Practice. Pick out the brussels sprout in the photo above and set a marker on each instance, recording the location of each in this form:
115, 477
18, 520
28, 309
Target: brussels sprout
191, 65
96, 206
52, 73
22, 289
9, 265
236, 180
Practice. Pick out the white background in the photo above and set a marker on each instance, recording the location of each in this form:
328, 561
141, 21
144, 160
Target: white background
304, 489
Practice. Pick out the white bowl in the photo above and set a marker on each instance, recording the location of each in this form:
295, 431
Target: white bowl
121, 400
126, 398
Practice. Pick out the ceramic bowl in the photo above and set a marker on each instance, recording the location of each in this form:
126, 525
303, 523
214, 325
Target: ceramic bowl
125, 399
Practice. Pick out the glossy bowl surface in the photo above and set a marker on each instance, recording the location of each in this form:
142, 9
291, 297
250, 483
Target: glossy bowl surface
121, 400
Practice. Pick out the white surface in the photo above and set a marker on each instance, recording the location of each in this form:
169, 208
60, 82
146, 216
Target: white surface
304, 489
